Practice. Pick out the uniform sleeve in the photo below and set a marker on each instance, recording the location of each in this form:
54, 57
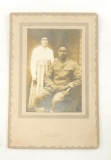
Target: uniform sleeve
33, 64
77, 77
49, 77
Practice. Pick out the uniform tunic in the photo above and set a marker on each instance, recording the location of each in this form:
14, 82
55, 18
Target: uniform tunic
64, 73
61, 78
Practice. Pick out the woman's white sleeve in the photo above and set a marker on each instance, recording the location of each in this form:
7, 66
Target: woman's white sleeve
33, 64
52, 56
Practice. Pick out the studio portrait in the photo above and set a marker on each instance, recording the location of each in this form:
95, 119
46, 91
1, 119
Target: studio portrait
54, 81
54, 70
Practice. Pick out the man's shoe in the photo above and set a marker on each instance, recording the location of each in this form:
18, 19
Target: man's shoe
40, 109
51, 111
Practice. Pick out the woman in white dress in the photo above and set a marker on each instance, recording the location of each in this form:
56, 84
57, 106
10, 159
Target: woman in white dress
41, 60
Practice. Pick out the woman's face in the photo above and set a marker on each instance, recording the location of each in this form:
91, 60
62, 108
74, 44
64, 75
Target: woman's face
44, 41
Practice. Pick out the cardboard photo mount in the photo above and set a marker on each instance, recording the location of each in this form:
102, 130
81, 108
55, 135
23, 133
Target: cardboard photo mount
78, 130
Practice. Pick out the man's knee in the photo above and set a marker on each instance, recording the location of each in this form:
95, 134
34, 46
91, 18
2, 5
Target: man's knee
40, 96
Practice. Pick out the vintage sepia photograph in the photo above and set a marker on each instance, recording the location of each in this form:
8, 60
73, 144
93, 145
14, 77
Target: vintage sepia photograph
53, 80
54, 70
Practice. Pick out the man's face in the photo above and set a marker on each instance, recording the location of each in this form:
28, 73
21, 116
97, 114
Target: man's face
44, 41
62, 53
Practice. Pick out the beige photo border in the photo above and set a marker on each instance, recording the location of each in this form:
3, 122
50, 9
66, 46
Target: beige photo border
49, 136
23, 50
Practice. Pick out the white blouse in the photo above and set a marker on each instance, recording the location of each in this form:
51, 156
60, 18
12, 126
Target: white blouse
40, 54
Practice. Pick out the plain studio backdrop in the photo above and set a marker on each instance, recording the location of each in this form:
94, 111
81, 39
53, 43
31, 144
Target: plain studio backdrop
103, 9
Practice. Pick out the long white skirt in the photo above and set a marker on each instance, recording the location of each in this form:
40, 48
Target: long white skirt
41, 71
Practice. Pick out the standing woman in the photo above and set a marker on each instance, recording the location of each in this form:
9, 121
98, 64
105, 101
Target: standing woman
42, 57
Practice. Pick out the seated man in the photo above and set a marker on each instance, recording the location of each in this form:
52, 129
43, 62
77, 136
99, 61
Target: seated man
62, 83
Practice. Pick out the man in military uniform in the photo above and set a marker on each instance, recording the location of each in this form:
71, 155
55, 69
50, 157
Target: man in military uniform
63, 84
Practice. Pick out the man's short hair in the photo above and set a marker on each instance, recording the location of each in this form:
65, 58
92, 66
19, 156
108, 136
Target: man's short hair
62, 46
44, 37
